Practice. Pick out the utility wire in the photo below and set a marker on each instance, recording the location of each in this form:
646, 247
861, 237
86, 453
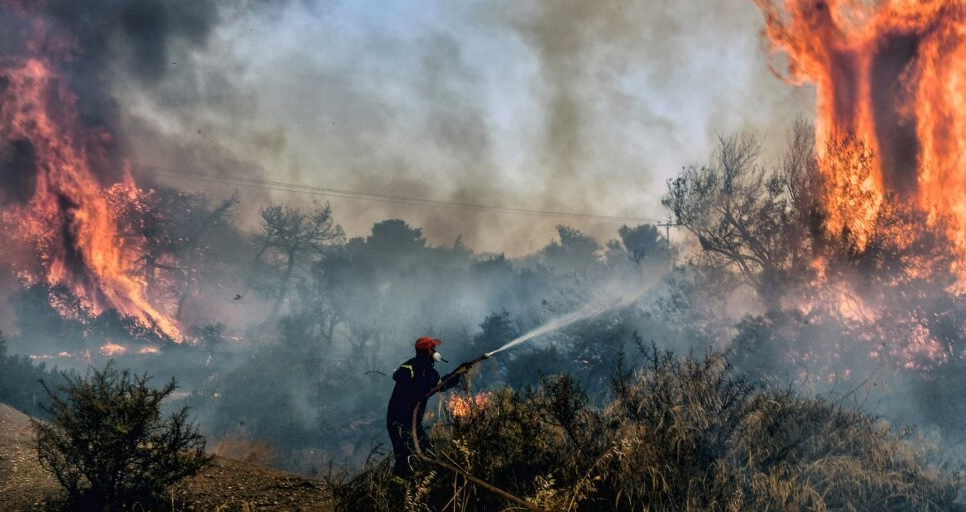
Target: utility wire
368, 196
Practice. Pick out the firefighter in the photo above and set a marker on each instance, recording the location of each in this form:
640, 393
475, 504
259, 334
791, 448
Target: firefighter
416, 380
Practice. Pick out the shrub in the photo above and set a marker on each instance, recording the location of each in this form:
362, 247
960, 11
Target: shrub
108, 444
19, 381
370, 490
683, 434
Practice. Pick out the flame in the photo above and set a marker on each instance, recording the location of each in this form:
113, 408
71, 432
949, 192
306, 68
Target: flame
890, 79
68, 219
460, 405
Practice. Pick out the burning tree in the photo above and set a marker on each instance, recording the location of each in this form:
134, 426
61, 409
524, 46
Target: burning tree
854, 242
886, 74
880, 280
172, 227
58, 219
756, 220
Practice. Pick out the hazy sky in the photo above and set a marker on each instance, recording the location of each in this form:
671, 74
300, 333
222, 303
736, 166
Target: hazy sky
571, 105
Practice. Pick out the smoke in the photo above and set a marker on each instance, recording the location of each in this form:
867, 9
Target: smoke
107, 42
664, 77
94, 47
17, 171
574, 106
103, 50
127, 40
898, 146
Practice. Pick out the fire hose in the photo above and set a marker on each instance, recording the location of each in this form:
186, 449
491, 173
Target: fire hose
455, 469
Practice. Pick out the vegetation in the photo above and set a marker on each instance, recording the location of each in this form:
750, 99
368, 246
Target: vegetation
678, 434
108, 444
20, 381
293, 329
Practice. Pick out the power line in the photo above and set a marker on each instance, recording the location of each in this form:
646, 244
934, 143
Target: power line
353, 194
368, 196
667, 225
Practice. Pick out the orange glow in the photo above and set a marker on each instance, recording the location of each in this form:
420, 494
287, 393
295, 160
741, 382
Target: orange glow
890, 79
112, 349
922, 350
460, 405
68, 220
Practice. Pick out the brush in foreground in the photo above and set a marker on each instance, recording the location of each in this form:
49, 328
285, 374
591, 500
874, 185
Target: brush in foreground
108, 445
680, 434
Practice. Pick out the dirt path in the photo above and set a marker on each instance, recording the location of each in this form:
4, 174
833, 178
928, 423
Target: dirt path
228, 486
23, 483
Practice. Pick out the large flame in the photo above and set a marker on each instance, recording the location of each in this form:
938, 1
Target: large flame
67, 216
890, 80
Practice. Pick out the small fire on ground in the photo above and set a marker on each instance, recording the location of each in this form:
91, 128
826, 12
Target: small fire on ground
462, 405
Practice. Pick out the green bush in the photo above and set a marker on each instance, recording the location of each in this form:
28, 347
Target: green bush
108, 444
20, 381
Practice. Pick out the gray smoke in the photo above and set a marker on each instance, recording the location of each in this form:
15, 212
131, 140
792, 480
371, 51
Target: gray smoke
566, 106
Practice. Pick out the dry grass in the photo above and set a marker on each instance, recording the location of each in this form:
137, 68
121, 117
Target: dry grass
680, 434
239, 447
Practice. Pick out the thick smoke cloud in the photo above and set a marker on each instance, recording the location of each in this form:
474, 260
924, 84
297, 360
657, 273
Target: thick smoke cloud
567, 36
568, 106
102, 49
113, 41
17, 171
573, 106
94, 46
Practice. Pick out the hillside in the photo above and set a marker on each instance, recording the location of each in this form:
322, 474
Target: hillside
229, 485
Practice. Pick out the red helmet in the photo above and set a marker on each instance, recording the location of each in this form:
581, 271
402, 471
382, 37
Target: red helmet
426, 343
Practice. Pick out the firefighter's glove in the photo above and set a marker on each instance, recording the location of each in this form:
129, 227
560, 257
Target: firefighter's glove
463, 368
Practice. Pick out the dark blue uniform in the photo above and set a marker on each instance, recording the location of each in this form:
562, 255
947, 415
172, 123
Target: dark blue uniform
414, 380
